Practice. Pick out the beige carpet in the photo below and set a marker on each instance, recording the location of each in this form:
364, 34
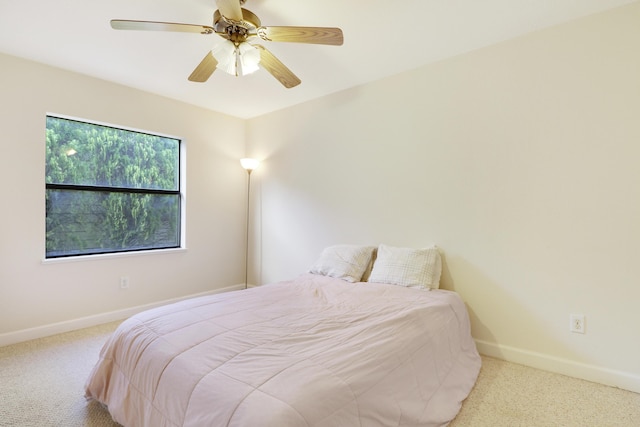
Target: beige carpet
42, 381
507, 394
42, 385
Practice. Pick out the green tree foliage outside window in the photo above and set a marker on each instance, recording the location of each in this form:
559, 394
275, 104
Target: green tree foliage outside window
109, 189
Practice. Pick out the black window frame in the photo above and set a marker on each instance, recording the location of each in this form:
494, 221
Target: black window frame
126, 190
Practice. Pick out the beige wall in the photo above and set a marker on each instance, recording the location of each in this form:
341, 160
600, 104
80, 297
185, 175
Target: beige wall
520, 160
36, 295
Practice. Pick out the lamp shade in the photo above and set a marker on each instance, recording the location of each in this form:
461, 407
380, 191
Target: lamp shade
247, 59
224, 53
249, 164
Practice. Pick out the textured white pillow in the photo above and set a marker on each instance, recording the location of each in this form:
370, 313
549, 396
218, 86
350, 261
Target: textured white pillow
346, 262
419, 268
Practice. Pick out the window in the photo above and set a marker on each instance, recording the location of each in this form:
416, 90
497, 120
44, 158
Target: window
109, 189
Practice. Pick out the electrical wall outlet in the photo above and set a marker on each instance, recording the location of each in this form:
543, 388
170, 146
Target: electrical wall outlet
576, 323
124, 282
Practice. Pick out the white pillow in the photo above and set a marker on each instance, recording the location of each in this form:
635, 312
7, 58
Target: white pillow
346, 262
415, 268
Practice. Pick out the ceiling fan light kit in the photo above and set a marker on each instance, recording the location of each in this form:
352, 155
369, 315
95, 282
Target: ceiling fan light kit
237, 60
236, 55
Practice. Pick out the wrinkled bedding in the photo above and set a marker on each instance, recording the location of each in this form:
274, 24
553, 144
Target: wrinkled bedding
313, 351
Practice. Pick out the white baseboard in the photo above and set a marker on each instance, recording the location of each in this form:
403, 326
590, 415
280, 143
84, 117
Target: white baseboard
97, 319
597, 374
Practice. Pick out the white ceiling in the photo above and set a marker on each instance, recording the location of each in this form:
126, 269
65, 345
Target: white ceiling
382, 38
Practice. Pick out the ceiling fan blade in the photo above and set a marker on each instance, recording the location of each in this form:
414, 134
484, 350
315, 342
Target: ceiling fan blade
204, 70
277, 69
123, 24
315, 35
230, 9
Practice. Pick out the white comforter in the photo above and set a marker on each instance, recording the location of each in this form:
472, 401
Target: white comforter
314, 351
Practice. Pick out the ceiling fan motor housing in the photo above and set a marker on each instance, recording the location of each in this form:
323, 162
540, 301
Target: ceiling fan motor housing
236, 31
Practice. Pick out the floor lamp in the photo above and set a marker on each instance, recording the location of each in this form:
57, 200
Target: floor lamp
248, 165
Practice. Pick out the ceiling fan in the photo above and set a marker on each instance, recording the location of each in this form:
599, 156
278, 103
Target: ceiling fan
236, 55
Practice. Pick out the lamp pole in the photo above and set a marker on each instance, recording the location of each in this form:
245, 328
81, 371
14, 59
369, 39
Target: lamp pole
249, 165
246, 246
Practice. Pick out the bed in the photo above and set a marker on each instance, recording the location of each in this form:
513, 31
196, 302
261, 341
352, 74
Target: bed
312, 351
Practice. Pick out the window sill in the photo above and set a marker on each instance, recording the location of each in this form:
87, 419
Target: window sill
80, 258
